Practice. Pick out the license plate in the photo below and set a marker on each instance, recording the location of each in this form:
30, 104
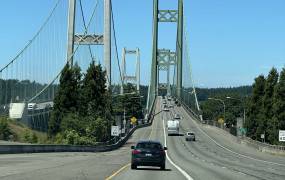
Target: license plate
148, 155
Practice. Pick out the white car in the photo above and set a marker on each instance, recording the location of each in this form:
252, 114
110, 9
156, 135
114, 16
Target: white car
190, 136
177, 116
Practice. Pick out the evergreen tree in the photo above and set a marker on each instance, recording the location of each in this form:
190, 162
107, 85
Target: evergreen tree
255, 106
94, 92
278, 109
267, 105
67, 97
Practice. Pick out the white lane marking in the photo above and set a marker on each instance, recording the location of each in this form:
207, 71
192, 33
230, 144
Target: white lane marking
227, 149
187, 176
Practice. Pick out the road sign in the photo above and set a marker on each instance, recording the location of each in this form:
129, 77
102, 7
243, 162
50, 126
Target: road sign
282, 135
115, 131
133, 120
221, 121
262, 136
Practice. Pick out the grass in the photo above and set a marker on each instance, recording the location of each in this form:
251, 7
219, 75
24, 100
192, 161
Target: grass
24, 134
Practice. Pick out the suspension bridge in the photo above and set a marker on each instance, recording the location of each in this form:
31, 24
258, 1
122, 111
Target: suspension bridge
77, 34
29, 81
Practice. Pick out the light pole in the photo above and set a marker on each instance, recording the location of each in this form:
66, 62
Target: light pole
223, 102
228, 97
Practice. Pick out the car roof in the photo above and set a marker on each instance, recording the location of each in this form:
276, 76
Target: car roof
148, 141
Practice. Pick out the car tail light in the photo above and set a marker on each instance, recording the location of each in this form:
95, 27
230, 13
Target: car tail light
136, 151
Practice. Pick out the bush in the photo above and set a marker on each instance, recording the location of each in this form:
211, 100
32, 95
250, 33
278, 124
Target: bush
74, 138
30, 136
72, 121
5, 131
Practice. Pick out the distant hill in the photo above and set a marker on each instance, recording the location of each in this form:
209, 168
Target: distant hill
241, 91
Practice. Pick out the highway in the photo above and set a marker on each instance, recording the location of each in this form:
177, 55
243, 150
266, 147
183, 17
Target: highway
214, 155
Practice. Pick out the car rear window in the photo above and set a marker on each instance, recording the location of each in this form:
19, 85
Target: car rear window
149, 146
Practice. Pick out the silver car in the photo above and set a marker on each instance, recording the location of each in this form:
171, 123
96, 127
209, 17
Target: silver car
190, 136
177, 116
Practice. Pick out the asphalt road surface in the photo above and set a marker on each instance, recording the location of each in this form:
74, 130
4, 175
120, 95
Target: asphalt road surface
214, 155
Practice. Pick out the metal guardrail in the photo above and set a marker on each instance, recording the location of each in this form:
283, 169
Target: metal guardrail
264, 145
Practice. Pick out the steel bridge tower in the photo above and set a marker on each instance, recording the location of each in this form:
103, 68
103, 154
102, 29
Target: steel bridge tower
91, 39
129, 78
162, 59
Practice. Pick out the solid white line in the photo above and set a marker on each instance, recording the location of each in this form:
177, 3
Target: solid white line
227, 149
187, 176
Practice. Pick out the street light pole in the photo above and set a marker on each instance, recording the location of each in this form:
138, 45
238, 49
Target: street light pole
228, 97
223, 102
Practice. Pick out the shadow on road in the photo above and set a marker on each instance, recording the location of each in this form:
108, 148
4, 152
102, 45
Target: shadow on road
152, 169
181, 134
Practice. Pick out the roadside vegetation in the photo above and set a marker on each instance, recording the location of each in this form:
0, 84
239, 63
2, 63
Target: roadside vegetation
266, 107
84, 108
11, 130
264, 103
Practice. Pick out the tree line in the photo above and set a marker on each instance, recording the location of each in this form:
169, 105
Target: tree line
266, 107
84, 108
214, 110
264, 103
14, 90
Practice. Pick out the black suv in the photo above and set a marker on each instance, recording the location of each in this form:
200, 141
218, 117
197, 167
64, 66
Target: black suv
148, 153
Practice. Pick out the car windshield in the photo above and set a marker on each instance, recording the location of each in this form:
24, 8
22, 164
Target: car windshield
149, 146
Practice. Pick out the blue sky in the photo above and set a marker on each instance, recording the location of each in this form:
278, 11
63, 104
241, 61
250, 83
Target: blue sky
231, 42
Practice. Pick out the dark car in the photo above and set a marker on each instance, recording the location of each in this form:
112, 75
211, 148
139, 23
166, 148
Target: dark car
148, 153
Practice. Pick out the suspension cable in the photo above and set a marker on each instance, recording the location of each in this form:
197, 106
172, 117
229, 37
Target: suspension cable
86, 29
115, 41
68, 61
35, 36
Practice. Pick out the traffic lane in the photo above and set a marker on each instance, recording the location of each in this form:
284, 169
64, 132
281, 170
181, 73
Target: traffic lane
198, 168
206, 149
144, 172
225, 140
68, 165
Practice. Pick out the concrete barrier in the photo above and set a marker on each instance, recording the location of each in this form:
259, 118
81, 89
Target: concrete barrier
45, 148
42, 148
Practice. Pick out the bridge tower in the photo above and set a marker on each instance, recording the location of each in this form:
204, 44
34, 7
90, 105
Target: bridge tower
162, 59
91, 39
129, 78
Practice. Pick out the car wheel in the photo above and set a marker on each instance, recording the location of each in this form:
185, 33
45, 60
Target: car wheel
133, 166
162, 167
194, 140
